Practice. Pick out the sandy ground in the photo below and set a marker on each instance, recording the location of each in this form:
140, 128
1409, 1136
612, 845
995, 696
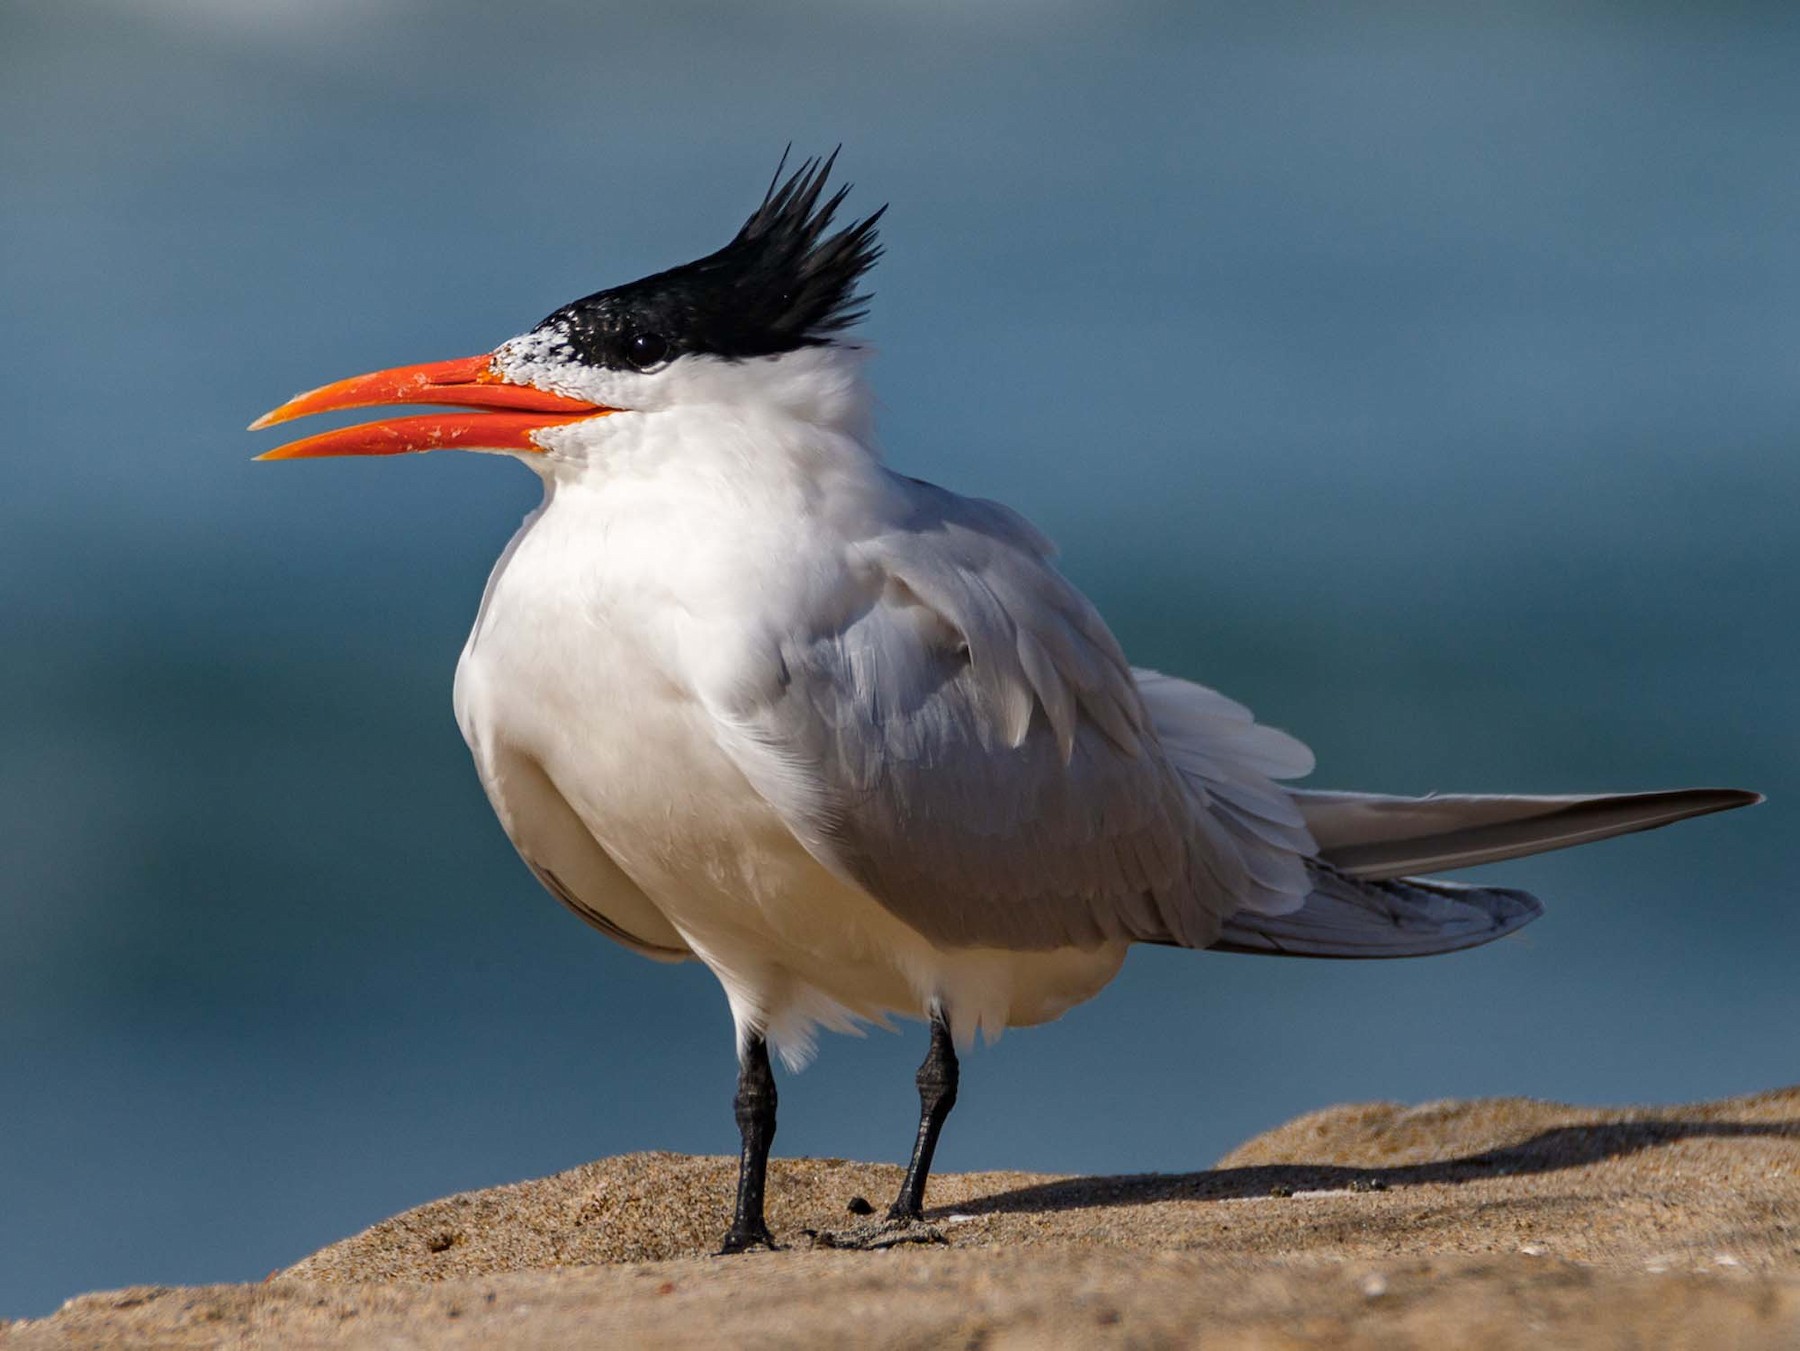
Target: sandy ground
1504, 1223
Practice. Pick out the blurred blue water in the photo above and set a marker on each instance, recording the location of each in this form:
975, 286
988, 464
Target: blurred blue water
1427, 379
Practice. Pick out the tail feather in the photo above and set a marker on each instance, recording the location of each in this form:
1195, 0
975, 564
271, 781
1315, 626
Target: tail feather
1372, 836
1348, 916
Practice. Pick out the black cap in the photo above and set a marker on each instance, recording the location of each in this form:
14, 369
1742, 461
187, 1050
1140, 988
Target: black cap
781, 284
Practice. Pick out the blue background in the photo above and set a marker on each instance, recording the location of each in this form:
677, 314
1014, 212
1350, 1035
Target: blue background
1426, 377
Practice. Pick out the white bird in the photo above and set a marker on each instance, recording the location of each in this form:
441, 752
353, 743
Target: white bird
739, 692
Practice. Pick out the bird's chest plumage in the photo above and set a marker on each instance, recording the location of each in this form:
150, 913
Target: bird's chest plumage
624, 648
609, 636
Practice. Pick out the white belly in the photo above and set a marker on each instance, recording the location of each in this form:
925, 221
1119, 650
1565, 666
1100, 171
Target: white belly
607, 773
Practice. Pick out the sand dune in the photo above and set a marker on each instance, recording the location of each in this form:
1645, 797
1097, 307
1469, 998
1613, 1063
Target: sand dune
1492, 1223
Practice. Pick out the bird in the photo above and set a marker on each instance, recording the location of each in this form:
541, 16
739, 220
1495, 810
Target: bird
740, 693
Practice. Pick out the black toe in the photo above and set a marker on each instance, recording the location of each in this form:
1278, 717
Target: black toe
744, 1240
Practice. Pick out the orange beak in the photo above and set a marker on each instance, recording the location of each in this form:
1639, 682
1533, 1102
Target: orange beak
501, 415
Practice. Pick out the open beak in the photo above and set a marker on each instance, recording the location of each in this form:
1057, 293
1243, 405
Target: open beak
500, 415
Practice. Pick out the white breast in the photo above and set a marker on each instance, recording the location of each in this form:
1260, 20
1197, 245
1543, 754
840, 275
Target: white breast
627, 613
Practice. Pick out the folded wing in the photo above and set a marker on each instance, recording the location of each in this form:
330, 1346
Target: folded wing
964, 740
1371, 835
967, 743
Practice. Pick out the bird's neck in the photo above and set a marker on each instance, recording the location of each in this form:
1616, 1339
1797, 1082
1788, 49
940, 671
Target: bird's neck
820, 387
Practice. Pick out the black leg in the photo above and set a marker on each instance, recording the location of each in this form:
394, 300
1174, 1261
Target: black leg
756, 1124
937, 1095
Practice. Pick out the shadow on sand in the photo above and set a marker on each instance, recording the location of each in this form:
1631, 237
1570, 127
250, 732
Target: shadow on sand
1548, 1151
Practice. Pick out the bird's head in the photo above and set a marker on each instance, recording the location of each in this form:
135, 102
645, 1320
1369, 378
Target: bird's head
734, 325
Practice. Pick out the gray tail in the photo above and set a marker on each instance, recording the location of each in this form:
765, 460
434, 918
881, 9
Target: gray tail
1363, 905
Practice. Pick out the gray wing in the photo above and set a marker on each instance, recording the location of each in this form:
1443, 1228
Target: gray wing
1378, 836
968, 744
1364, 905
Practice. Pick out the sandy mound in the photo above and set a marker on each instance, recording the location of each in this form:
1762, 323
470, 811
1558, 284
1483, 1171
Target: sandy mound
1497, 1223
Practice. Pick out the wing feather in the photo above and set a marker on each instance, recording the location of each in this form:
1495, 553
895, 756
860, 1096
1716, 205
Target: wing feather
967, 743
1372, 835
1349, 917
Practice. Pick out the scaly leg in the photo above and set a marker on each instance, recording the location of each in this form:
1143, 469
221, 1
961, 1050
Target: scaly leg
937, 1095
756, 1124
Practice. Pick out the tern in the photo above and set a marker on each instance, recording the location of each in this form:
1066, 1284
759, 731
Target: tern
739, 692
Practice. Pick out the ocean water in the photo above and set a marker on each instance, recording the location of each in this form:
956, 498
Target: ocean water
1426, 379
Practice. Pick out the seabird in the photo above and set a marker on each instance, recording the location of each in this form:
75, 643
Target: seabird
740, 693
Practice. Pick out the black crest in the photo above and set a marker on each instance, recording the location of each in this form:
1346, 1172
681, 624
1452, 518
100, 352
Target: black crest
782, 283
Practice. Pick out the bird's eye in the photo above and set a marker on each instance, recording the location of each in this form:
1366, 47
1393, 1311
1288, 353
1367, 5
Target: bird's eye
645, 350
